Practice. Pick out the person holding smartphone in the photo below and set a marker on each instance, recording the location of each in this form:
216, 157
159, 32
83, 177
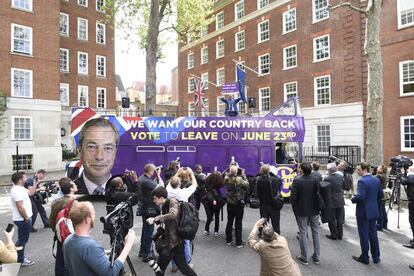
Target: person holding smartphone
8, 253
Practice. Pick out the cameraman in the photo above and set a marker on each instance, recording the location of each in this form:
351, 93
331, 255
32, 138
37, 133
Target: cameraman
149, 209
237, 188
83, 255
37, 206
409, 182
117, 190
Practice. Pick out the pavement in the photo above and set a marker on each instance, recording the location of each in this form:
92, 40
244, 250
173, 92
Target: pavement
213, 257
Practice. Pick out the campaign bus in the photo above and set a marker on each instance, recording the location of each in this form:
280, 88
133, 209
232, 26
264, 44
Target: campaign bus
213, 142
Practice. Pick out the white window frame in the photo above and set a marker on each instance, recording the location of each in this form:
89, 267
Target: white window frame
242, 103
285, 57
86, 30
285, 92
314, 20
190, 60
83, 5
205, 111
13, 138
87, 95
103, 5
190, 85
98, 58
87, 63
401, 75
66, 86
260, 65
259, 31
67, 24
317, 137
204, 31
315, 55
219, 24
191, 109
260, 6
13, 93
402, 134
315, 90
204, 55
218, 76
220, 103
29, 2
236, 41
218, 50
67, 60
285, 31
238, 11
103, 35
99, 89
12, 39
399, 11
204, 78
261, 98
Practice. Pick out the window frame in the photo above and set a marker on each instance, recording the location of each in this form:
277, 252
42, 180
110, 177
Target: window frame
285, 92
315, 50
86, 29
104, 33
86, 3
219, 103
99, 89
190, 57
202, 61
13, 93
67, 60
236, 41
222, 69
403, 133
315, 90
259, 2
66, 85
401, 26
30, 9
285, 67
217, 48
219, 25
401, 76
97, 66
236, 11
12, 38
87, 95
317, 137
13, 127
260, 90
284, 31
202, 77
67, 24
205, 111
96, 6
87, 63
259, 31
259, 64
193, 111
314, 20
190, 85
28, 158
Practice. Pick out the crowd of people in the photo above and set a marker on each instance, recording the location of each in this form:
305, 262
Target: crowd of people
315, 198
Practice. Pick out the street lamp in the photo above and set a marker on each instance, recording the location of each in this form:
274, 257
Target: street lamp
17, 155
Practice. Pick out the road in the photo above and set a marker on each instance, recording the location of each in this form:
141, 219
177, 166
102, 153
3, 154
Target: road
213, 257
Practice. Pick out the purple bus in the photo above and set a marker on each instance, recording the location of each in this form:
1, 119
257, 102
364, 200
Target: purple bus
274, 139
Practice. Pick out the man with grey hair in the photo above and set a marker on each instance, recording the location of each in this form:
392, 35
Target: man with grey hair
336, 202
274, 251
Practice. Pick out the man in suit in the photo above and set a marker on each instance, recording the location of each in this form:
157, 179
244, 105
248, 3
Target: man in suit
368, 194
336, 203
97, 147
304, 198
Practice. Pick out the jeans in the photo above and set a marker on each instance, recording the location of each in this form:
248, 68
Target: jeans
210, 212
37, 207
146, 237
266, 211
234, 212
178, 255
411, 215
382, 221
23, 232
60, 269
187, 253
303, 237
336, 222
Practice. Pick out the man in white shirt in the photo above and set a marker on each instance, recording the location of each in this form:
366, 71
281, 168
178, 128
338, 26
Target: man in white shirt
22, 213
174, 191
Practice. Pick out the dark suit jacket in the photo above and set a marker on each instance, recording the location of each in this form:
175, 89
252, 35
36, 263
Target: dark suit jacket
336, 188
369, 192
303, 195
263, 188
81, 186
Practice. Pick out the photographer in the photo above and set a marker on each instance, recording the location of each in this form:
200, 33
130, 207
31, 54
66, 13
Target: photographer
409, 183
8, 253
117, 190
237, 188
37, 206
149, 210
170, 215
83, 255
275, 258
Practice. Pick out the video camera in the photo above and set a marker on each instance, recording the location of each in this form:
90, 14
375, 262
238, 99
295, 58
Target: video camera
50, 188
398, 162
348, 169
121, 218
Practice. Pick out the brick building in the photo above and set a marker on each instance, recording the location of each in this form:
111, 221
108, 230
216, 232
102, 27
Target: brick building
299, 48
55, 54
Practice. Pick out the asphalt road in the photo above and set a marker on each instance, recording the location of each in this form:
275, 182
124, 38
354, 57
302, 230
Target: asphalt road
213, 257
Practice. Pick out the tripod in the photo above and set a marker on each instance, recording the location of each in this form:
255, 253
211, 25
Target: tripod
117, 244
396, 194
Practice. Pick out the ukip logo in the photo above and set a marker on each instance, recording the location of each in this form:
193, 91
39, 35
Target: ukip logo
287, 174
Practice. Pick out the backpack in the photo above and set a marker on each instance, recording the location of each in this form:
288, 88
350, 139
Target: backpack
188, 221
64, 226
348, 182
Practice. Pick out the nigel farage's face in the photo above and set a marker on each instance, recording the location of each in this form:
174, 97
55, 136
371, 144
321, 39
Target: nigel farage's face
98, 152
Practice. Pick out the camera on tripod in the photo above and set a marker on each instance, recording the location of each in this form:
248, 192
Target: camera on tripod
398, 162
49, 188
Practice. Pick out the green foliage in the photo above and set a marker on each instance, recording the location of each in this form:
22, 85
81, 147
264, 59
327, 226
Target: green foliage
3, 108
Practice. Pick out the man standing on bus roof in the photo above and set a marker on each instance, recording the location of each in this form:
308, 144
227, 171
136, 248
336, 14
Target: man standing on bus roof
97, 148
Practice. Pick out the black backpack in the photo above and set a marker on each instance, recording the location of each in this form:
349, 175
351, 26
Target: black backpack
348, 182
188, 221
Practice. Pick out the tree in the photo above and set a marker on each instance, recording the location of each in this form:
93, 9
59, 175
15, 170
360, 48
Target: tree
151, 18
372, 50
3, 108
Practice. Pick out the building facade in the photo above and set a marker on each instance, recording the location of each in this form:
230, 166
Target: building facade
54, 55
297, 48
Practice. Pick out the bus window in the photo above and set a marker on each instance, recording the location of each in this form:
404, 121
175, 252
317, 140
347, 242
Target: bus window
287, 153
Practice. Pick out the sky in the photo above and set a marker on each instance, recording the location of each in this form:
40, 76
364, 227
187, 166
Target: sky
130, 63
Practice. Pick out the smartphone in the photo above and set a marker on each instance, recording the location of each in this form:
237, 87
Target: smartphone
9, 228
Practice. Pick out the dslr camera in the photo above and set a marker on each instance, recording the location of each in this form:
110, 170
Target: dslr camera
398, 162
50, 188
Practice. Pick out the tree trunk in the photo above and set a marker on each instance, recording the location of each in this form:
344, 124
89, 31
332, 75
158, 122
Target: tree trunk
375, 134
151, 56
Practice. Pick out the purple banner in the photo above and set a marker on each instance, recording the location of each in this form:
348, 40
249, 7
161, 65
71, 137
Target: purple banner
230, 88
